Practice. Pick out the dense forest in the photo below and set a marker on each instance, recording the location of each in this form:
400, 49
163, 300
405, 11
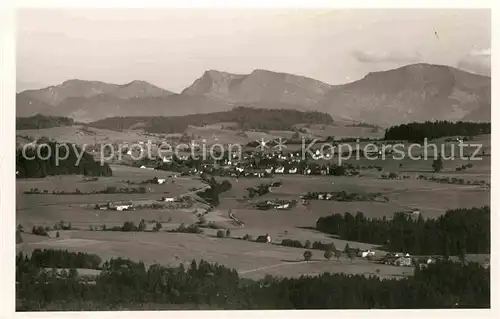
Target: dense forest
38, 121
50, 258
201, 285
41, 161
417, 132
246, 118
457, 232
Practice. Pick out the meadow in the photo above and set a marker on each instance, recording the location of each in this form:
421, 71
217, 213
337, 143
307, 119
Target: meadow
253, 260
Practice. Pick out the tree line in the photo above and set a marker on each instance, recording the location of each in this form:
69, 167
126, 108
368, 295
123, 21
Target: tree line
52, 258
457, 232
246, 118
205, 285
417, 132
33, 165
39, 121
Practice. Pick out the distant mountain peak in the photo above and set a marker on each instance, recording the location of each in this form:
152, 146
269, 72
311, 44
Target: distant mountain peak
415, 92
258, 86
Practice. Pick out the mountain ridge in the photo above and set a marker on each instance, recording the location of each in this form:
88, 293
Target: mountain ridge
413, 92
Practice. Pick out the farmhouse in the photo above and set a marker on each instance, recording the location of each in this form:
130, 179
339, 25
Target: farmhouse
122, 207
413, 214
168, 199
403, 262
366, 253
161, 180
263, 239
283, 206
279, 170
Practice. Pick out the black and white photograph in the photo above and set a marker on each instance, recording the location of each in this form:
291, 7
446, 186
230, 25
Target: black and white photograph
230, 158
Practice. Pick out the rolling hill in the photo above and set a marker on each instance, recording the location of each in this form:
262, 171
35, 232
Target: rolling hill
416, 92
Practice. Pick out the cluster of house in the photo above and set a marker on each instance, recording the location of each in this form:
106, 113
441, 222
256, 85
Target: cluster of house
412, 214
279, 204
320, 195
398, 259
114, 206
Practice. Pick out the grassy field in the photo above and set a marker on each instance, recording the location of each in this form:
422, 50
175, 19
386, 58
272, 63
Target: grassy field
252, 260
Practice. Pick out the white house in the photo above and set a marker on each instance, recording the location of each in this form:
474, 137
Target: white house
240, 169
321, 196
264, 239
129, 152
367, 253
168, 199
283, 206
161, 180
292, 170
269, 170
122, 207
166, 160
280, 170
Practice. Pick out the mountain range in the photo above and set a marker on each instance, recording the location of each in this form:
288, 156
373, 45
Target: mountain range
416, 92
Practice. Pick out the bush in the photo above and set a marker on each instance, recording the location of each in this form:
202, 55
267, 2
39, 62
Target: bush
220, 234
307, 255
291, 243
328, 254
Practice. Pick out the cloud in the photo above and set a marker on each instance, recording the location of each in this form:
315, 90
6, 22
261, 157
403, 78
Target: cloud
386, 56
477, 61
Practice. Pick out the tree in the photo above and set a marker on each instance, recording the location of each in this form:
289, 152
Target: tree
19, 237
307, 245
57, 235
157, 227
73, 273
307, 255
351, 254
142, 225
220, 233
328, 254
461, 255
437, 164
228, 233
338, 254
346, 248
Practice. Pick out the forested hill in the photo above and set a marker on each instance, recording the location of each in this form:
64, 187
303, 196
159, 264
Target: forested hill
450, 234
128, 285
246, 118
416, 132
45, 163
40, 121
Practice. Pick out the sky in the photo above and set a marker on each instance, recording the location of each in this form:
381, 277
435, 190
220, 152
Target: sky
171, 48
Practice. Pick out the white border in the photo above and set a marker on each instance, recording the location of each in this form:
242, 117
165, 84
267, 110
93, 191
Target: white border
7, 164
